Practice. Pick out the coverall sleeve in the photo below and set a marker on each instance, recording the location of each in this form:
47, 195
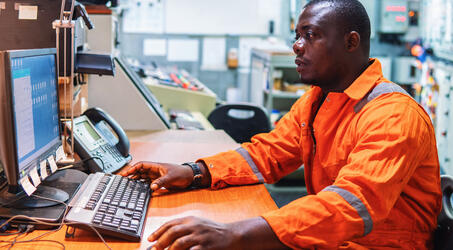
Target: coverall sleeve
391, 141
267, 158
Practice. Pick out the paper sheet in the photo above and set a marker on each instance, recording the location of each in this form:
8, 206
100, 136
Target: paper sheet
2, 6
43, 169
182, 50
35, 177
52, 164
155, 47
245, 46
28, 12
60, 153
144, 16
214, 55
27, 186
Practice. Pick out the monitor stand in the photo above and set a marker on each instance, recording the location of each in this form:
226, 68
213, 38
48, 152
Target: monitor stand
21, 200
62, 185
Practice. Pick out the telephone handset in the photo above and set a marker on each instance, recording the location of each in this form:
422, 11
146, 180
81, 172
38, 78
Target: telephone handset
95, 143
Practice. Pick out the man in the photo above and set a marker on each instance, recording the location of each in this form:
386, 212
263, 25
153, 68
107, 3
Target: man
368, 148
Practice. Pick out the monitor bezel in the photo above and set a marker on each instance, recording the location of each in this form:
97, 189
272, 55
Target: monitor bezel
9, 56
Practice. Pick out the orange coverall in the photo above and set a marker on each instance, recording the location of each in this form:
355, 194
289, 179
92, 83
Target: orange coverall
371, 168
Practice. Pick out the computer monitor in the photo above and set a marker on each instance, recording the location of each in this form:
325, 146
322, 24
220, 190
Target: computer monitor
29, 117
146, 93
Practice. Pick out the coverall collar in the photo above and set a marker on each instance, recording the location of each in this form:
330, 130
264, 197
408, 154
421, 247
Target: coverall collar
366, 81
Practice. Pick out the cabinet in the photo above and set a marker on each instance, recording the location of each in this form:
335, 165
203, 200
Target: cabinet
169, 97
274, 81
444, 120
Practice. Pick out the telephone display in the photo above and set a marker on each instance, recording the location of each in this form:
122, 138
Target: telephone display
101, 149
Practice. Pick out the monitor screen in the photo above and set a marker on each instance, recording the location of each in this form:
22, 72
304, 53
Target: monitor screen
35, 107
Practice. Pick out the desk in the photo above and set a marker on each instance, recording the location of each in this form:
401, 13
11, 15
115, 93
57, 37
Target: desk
226, 205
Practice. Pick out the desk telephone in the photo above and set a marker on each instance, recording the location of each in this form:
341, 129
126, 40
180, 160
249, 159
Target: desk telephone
97, 146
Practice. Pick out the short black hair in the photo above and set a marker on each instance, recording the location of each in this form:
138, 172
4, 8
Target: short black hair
352, 15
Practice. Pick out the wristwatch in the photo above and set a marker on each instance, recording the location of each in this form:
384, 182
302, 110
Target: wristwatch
197, 176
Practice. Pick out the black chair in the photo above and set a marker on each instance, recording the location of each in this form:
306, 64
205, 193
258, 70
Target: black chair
443, 239
240, 120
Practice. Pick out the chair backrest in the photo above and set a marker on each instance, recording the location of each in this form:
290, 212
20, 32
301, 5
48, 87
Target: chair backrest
443, 239
240, 120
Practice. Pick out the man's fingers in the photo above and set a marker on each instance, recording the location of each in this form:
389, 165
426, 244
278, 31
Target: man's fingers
154, 236
184, 242
142, 167
123, 172
138, 167
171, 235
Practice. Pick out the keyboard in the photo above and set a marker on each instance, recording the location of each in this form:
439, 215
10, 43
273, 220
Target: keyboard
112, 204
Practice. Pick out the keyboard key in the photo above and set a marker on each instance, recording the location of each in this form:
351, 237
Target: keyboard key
103, 208
110, 224
135, 222
111, 211
97, 221
128, 213
134, 230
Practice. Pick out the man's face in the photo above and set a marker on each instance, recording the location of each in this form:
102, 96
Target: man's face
318, 47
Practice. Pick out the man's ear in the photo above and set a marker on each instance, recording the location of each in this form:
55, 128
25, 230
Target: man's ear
352, 41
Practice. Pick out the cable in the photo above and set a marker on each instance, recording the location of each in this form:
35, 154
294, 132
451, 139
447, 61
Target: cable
9, 234
15, 239
22, 230
34, 241
60, 225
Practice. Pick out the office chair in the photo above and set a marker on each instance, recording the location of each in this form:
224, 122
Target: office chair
240, 120
443, 238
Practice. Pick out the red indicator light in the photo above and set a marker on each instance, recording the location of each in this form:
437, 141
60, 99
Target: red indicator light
401, 19
395, 8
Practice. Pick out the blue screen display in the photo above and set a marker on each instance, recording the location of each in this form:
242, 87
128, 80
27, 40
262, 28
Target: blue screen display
35, 103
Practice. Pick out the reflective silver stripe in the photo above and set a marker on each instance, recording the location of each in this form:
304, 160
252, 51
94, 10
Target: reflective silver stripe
355, 203
383, 88
252, 165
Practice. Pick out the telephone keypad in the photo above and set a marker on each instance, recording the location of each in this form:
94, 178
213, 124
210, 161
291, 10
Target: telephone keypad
112, 151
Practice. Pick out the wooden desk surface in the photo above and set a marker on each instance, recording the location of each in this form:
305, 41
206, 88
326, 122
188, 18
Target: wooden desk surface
193, 136
226, 205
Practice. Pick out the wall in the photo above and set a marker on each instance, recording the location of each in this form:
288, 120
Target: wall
235, 21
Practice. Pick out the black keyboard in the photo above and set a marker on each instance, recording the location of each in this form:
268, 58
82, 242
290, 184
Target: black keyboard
113, 204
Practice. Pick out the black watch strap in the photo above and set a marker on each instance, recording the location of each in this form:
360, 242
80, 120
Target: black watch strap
197, 176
